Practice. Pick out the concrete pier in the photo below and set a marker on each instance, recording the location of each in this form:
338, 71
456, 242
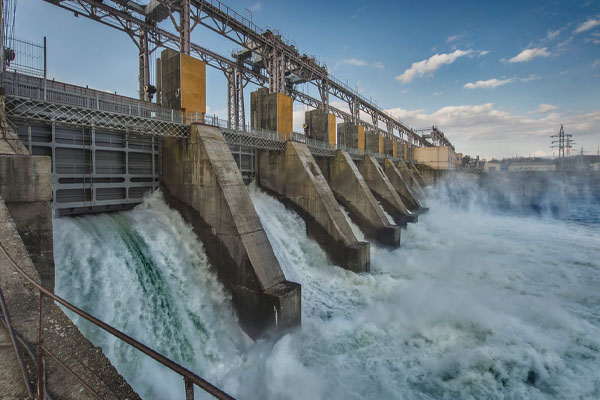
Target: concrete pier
271, 111
351, 135
372, 139
351, 190
390, 148
201, 180
382, 188
417, 174
296, 179
320, 126
406, 194
410, 178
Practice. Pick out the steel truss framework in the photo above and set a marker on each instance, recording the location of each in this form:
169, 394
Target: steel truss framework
436, 136
279, 57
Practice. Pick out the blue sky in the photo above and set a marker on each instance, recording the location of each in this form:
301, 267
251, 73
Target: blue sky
498, 77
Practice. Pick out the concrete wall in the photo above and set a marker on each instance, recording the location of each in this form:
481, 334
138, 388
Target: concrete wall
383, 189
296, 179
352, 191
26, 187
201, 180
436, 157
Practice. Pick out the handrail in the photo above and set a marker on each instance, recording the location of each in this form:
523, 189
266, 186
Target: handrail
189, 377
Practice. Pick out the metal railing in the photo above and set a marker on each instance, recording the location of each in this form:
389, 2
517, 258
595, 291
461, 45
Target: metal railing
32, 87
190, 379
271, 140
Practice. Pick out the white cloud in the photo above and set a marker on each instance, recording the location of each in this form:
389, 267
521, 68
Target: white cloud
551, 35
255, 7
494, 83
595, 38
587, 25
453, 38
596, 64
530, 78
565, 42
489, 84
544, 108
487, 129
355, 61
530, 54
362, 63
430, 65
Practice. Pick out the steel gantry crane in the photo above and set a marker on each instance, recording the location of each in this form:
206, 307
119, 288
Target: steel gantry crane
264, 57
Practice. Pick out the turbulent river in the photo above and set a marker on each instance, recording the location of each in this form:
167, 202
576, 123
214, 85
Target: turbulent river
481, 301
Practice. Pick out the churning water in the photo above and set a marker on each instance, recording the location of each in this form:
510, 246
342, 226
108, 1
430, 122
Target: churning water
478, 303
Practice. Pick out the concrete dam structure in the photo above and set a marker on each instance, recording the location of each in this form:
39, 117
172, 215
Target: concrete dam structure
68, 150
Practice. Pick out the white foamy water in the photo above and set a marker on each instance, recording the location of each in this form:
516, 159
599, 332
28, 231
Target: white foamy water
474, 305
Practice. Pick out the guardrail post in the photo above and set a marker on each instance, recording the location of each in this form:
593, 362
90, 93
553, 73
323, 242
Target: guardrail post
189, 389
40, 355
45, 69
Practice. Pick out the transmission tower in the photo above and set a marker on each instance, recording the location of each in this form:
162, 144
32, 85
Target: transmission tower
563, 142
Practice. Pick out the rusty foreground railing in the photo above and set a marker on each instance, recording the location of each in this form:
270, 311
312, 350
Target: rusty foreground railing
190, 379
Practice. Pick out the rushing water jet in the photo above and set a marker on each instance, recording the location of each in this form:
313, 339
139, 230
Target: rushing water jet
477, 303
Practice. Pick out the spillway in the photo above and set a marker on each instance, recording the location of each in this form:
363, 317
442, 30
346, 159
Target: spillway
478, 302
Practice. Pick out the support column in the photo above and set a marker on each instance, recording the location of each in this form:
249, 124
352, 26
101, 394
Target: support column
272, 112
144, 66
184, 26
383, 189
296, 179
372, 141
202, 181
389, 146
351, 135
321, 126
352, 191
182, 84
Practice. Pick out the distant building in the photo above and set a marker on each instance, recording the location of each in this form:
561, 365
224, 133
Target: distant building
530, 166
492, 166
442, 157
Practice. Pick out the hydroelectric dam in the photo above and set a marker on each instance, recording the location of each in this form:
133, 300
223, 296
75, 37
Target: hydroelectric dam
151, 250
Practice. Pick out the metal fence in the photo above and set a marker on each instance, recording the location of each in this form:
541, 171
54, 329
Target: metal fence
25, 57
